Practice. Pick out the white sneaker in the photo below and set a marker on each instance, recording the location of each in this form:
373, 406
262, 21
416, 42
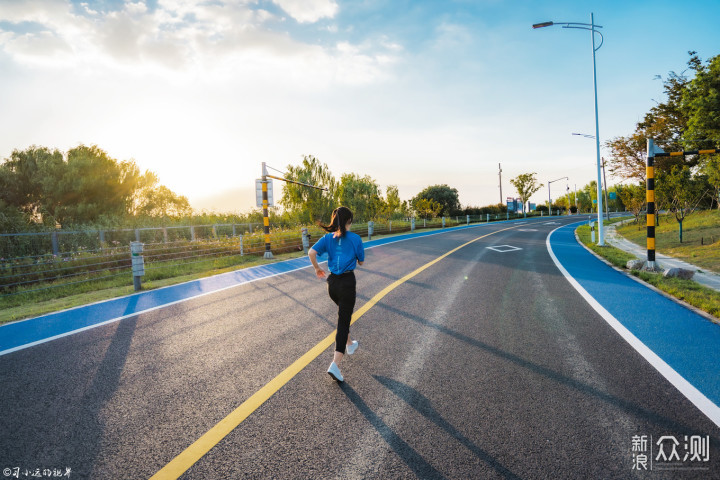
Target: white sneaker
350, 349
334, 371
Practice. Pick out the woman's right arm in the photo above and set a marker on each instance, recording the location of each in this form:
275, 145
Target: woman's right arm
319, 272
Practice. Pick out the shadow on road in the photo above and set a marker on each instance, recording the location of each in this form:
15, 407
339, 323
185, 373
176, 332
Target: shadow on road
420, 403
89, 431
617, 402
407, 454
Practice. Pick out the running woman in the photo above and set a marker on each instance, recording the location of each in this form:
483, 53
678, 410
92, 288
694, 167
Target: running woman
345, 251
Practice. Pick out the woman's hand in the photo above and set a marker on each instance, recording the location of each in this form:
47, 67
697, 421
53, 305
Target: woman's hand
319, 272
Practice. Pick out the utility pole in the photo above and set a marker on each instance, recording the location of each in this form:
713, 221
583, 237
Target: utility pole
576, 202
607, 211
500, 176
567, 195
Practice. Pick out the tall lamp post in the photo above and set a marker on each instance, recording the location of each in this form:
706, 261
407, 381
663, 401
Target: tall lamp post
549, 199
592, 27
605, 188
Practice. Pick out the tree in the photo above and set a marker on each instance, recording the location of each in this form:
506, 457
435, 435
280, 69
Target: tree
92, 186
562, 203
665, 123
428, 208
392, 201
360, 194
711, 168
526, 186
591, 191
584, 200
26, 178
87, 187
683, 192
310, 205
700, 102
633, 196
12, 219
161, 202
445, 196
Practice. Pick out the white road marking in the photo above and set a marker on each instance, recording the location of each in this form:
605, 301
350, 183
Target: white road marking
686, 388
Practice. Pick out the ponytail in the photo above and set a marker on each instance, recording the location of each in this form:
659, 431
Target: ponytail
340, 218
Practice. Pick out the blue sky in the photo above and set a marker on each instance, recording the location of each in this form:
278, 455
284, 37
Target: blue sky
412, 93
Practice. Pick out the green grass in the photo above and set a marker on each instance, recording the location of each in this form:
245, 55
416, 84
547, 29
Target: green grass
706, 299
699, 296
701, 238
617, 257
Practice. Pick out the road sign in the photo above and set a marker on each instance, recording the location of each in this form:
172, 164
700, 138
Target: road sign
258, 193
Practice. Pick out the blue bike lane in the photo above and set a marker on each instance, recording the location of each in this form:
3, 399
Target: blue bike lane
680, 343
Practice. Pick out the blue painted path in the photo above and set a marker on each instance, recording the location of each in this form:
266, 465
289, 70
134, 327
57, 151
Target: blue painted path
686, 341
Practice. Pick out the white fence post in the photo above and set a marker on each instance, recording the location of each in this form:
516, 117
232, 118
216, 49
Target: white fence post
138, 263
305, 241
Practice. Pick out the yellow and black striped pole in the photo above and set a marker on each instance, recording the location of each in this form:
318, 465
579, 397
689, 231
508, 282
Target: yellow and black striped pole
266, 216
650, 198
265, 204
653, 152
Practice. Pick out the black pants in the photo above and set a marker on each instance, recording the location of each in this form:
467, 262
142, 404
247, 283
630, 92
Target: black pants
342, 291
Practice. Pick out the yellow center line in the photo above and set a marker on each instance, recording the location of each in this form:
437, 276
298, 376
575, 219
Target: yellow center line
212, 437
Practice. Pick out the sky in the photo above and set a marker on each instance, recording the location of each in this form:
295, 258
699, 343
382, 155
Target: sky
411, 93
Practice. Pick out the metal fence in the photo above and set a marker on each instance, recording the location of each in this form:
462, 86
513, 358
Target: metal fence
57, 260
62, 242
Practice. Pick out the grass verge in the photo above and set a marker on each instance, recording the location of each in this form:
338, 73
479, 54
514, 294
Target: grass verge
701, 238
699, 296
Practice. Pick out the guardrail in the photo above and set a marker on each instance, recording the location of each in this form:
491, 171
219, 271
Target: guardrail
166, 252
60, 242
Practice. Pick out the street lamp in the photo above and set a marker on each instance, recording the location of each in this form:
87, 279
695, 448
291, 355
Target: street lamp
592, 27
549, 200
606, 188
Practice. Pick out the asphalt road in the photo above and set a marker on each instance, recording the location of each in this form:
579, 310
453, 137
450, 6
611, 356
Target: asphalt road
486, 364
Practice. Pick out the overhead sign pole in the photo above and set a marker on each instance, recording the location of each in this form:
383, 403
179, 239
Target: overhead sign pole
650, 199
652, 152
266, 216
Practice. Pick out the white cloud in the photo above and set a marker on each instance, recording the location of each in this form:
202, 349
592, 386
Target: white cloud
308, 11
223, 39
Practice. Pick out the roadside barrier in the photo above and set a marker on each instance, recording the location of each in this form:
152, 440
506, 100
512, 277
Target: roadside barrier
158, 253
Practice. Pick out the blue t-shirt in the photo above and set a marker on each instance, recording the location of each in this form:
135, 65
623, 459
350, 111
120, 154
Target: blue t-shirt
343, 252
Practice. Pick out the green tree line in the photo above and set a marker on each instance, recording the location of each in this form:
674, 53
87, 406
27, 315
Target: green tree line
40, 187
361, 194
